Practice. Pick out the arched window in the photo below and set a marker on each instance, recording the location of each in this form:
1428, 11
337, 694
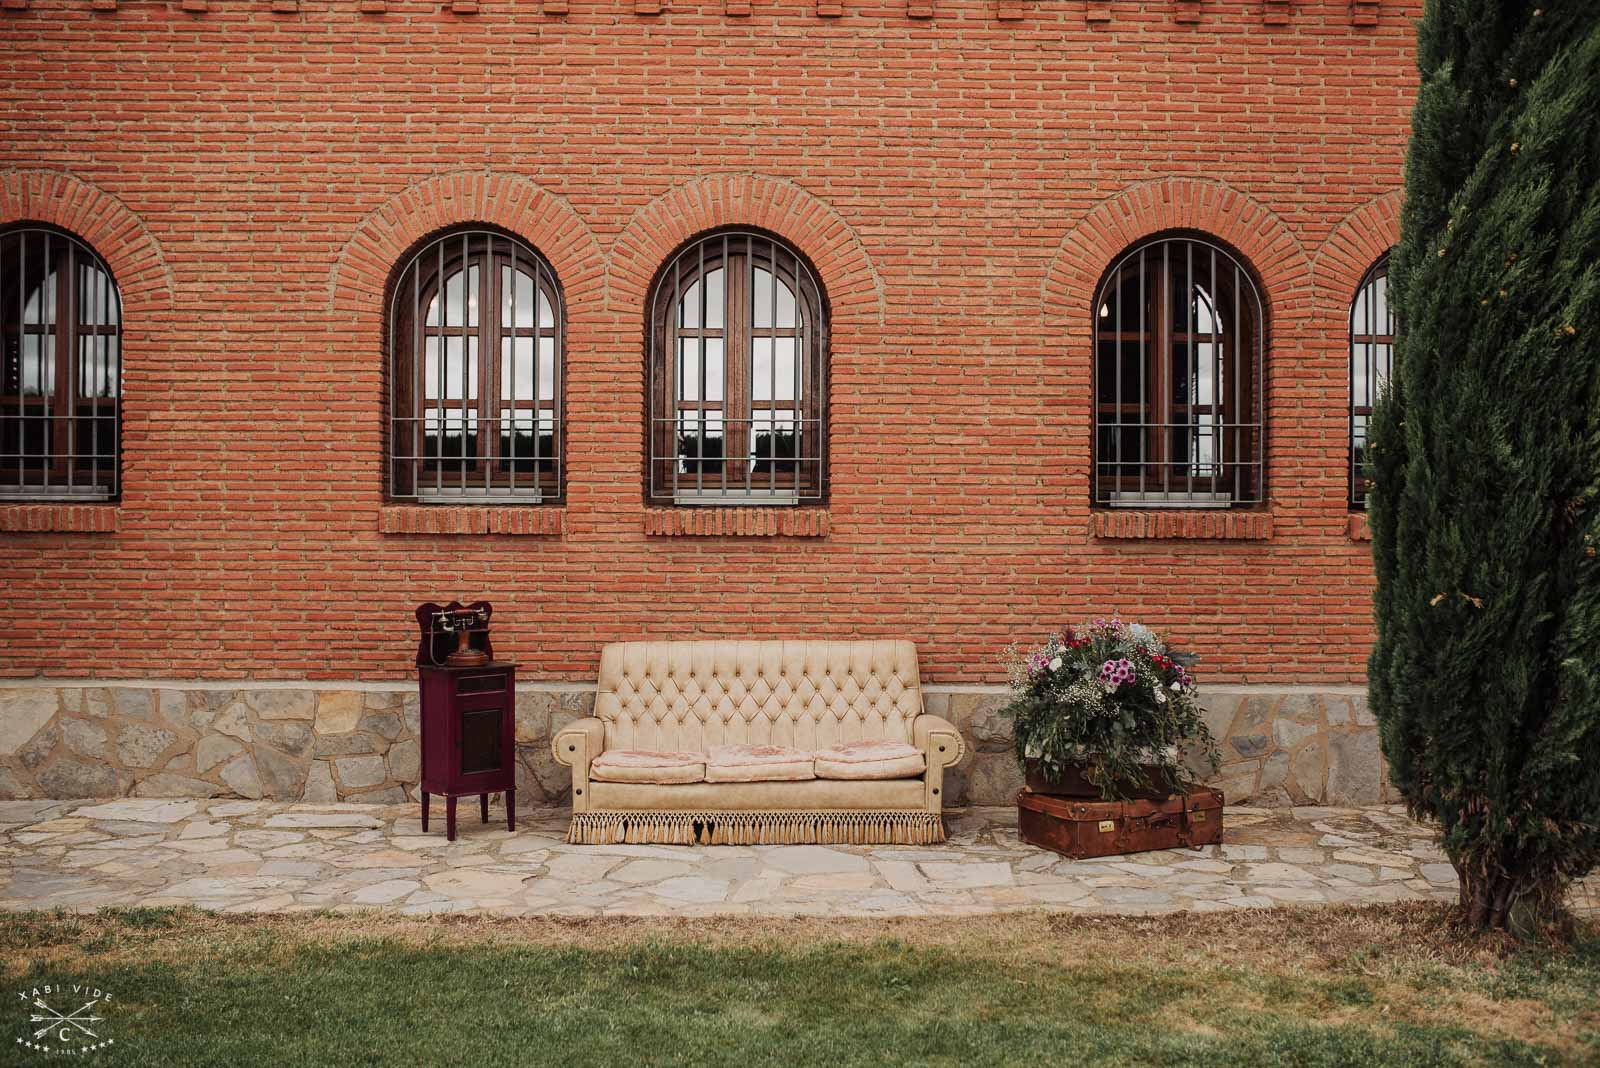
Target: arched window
1371, 356
1179, 344
738, 343
476, 339
60, 368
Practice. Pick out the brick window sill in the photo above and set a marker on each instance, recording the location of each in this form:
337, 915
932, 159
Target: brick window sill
61, 518
1181, 524
1360, 528
530, 520
734, 522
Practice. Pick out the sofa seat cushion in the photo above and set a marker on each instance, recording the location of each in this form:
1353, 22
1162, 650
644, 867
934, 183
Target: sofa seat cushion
643, 765
759, 763
870, 760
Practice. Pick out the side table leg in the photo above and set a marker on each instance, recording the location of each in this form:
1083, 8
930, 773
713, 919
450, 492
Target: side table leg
424, 812
450, 818
483, 807
511, 810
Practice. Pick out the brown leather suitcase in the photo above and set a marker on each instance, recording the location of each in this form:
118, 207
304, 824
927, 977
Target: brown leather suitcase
1077, 828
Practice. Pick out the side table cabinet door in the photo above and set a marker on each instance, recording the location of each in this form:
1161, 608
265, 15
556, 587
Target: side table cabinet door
481, 734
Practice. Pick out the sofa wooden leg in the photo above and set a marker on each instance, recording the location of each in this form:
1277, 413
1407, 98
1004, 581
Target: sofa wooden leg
450, 818
511, 810
483, 807
424, 812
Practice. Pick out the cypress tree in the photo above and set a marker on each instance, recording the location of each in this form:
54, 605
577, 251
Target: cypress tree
1485, 513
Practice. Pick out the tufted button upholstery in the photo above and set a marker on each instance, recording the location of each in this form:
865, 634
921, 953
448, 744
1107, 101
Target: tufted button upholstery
806, 694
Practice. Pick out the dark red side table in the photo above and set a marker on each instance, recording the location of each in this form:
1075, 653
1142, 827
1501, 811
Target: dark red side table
469, 738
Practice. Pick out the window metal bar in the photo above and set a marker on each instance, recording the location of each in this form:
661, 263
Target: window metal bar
797, 394
701, 290
67, 375
489, 359
675, 354
1191, 360
772, 367
1237, 343
91, 393
1116, 359
466, 345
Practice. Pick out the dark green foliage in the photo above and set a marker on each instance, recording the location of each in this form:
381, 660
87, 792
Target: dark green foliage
1486, 513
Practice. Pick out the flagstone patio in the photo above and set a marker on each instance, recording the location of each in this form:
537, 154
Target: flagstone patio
249, 856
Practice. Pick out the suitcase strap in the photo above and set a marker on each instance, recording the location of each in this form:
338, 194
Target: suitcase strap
1180, 819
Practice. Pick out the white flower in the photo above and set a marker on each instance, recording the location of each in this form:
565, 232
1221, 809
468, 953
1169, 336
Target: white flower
1055, 665
1161, 698
1177, 687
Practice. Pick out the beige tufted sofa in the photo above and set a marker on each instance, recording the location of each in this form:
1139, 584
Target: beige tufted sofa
749, 742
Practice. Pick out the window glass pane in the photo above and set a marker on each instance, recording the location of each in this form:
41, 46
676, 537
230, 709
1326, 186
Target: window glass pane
450, 433
688, 368
461, 300
774, 438
700, 442
40, 307
713, 351
1205, 378
38, 364
689, 303
1131, 382
689, 307
1205, 447
96, 303
516, 368
772, 369
97, 365
450, 388
763, 300
516, 302
547, 369
1206, 320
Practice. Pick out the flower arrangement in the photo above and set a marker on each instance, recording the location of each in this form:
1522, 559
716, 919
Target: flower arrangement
1110, 701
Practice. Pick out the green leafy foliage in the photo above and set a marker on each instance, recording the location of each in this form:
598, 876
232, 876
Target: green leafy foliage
1110, 698
1486, 508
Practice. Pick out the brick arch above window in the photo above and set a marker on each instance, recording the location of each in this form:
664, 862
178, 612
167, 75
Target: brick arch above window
715, 201
104, 224
515, 204
1176, 204
1361, 239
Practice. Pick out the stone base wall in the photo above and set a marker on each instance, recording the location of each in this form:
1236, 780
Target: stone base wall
351, 742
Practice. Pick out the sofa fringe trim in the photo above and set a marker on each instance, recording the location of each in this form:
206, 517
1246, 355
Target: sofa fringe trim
756, 828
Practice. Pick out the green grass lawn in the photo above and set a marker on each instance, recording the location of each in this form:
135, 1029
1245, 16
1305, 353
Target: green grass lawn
1380, 986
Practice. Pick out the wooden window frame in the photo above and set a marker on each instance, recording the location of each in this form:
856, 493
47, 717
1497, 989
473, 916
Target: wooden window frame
1378, 368
492, 469
78, 433
1165, 432
740, 473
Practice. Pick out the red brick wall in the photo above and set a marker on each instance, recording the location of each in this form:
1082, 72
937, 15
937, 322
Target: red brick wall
251, 168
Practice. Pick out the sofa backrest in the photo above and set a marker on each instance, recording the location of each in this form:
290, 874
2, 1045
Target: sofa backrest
692, 695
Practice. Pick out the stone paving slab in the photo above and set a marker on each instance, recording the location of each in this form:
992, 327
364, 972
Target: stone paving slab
260, 856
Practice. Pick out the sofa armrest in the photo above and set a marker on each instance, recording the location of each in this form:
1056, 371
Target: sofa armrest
942, 747
576, 745
939, 739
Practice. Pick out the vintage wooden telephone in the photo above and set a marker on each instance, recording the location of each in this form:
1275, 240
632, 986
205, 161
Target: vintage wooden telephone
454, 635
